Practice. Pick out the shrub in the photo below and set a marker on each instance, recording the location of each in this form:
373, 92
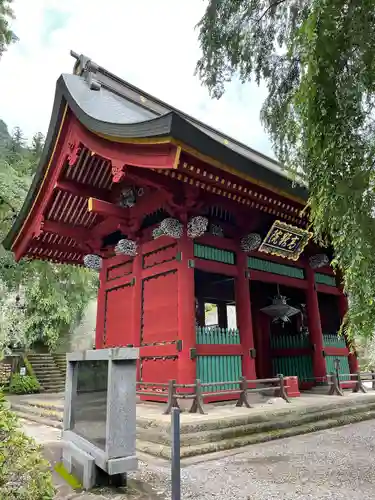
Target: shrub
24, 474
23, 384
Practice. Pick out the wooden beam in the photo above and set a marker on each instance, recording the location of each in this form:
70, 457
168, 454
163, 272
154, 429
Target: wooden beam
141, 208
277, 278
107, 209
77, 233
82, 190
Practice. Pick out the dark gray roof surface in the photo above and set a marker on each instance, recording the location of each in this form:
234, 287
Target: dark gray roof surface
110, 106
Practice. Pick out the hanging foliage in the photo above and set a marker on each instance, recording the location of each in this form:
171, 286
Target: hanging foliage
250, 242
126, 247
316, 58
197, 226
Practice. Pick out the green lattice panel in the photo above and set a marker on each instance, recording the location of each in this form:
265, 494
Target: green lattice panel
300, 366
272, 267
344, 366
325, 279
212, 253
215, 335
290, 342
219, 369
333, 340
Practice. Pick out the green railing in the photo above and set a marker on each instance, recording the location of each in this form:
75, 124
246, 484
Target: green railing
273, 267
333, 340
216, 335
300, 366
325, 279
219, 369
344, 366
290, 341
212, 253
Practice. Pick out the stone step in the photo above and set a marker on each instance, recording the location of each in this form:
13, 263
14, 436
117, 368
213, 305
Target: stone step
39, 419
54, 376
38, 411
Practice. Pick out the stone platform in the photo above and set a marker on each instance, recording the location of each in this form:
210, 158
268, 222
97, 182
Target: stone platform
224, 427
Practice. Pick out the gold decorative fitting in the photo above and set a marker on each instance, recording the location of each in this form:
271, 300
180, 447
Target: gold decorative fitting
240, 188
217, 178
255, 194
191, 181
222, 181
229, 183
234, 197
191, 168
173, 174
179, 177
186, 178
229, 195
208, 187
219, 191
210, 176
214, 189
198, 170
184, 165
234, 186
204, 173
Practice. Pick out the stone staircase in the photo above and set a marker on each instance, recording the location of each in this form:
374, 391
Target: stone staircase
60, 362
47, 373
34, 410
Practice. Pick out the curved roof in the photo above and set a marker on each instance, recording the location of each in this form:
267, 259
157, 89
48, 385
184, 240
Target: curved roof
111, 107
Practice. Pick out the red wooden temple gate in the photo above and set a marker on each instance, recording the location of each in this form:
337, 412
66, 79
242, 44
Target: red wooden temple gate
180, 218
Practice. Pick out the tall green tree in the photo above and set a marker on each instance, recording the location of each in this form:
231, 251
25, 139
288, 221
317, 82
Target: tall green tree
7, 36
54, 297
317, 58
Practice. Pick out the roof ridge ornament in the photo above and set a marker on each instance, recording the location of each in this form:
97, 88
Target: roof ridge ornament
86, 68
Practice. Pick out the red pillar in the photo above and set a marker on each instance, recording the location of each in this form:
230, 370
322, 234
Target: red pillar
137, 305
244, 319
353, 360
315, 327
100, 312
186, 311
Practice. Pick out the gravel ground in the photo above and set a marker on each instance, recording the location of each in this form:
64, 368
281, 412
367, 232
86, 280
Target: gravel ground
333, 464
337, 464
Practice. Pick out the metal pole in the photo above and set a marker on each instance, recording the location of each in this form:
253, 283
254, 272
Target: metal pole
175, 454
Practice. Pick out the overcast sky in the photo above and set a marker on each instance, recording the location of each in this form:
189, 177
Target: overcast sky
152, 44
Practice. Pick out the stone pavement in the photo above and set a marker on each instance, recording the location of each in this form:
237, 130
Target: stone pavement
50, 439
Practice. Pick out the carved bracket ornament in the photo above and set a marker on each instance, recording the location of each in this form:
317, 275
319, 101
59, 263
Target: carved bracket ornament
73, 152
118, 170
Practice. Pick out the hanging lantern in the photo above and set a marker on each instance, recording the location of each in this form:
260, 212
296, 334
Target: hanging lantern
126, 247
171, 227
197, 226
250, 242
280, 310
216, 230
92, 261
318, 260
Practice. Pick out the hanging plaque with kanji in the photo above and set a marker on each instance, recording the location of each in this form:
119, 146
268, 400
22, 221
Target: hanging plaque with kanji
285, 240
